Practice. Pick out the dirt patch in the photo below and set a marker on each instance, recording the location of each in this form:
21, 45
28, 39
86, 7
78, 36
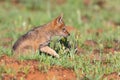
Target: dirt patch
112, 76
53, 73
90, 43
97, 32
80, 50
111, 47
86, 2
29, 70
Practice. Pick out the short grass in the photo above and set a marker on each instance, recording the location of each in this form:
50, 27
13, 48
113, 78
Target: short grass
17, 19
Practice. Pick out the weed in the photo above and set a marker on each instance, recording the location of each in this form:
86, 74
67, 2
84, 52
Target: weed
25, 69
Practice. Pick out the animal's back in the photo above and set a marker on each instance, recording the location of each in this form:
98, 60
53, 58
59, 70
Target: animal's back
28, 40
29, 36
20, 41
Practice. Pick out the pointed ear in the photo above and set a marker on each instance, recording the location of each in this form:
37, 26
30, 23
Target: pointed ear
57, 22
59, 19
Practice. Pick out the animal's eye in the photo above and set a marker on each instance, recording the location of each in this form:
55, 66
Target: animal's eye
63, 29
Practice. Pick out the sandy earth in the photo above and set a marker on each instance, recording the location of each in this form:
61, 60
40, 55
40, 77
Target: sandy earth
33, 73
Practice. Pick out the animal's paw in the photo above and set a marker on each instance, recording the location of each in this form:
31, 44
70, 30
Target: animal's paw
57, 56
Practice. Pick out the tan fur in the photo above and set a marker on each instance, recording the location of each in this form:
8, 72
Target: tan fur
39, 38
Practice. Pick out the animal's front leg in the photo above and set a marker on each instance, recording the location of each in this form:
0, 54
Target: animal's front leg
50, 51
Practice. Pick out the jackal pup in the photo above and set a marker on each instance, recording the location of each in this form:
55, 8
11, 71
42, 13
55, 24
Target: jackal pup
39, 37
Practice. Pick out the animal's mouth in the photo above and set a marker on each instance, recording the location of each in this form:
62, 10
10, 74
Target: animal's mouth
67, 35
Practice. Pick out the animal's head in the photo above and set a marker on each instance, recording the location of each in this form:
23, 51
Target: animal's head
59, 27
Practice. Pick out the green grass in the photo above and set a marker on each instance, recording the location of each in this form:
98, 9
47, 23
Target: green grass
16, 20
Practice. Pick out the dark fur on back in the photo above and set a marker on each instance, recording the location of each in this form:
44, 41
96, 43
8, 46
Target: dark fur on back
18, 42
24, 37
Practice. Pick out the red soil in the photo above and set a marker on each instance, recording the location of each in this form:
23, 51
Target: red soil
33, 73
112, 76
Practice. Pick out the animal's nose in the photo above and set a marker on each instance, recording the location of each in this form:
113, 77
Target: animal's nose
68, 34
